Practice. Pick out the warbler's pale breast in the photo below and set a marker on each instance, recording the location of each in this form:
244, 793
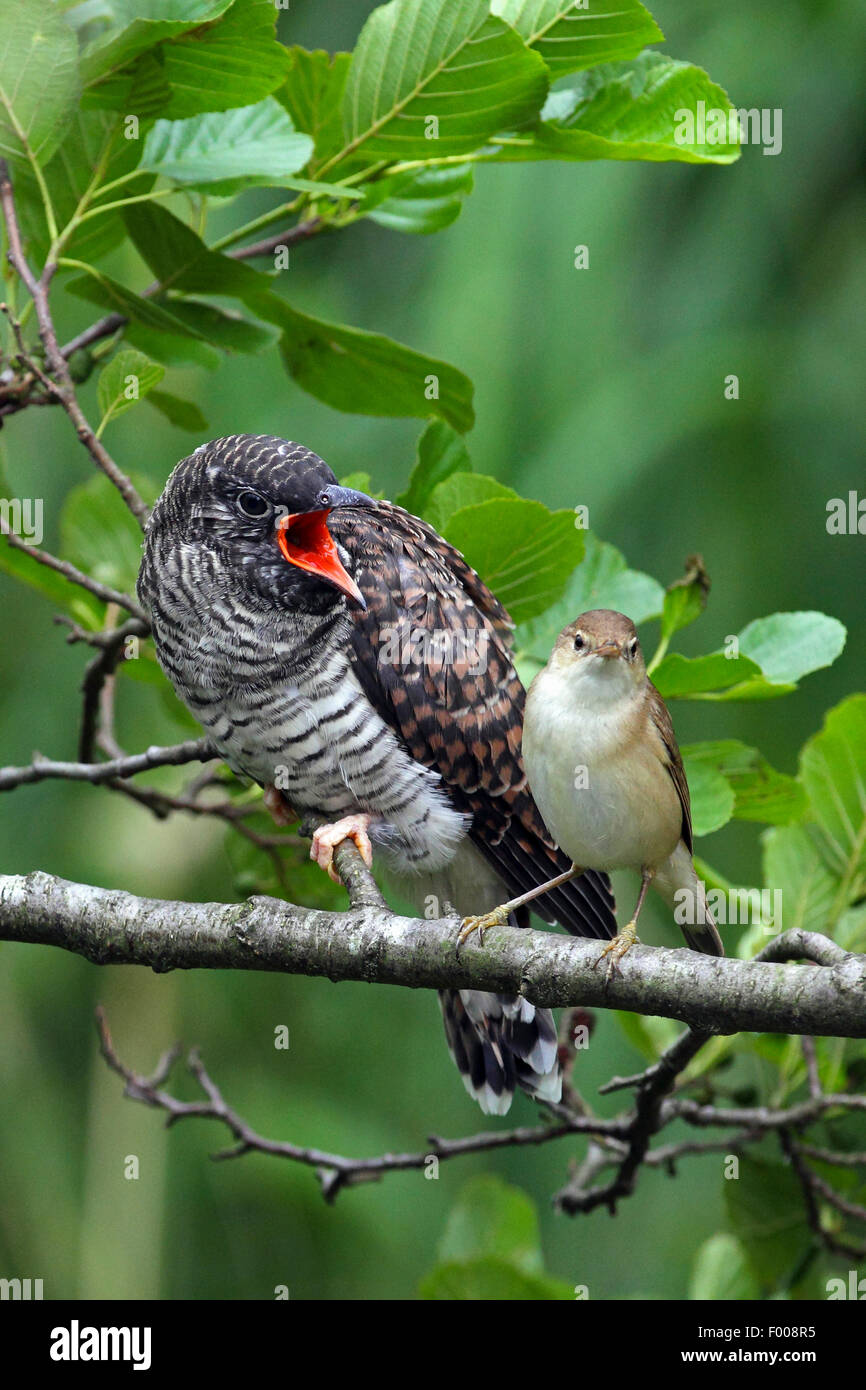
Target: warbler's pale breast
599, 782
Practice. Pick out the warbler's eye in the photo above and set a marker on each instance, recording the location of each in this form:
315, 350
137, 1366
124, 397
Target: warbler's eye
632, 649
252, 504
579, 642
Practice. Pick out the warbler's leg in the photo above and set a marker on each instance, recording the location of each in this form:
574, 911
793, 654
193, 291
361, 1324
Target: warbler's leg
499, 915
617, 948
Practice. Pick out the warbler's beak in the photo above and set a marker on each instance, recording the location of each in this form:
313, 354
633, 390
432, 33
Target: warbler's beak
608, 648
306, 542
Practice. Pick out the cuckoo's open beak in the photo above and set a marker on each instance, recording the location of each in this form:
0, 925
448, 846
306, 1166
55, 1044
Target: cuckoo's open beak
306, 542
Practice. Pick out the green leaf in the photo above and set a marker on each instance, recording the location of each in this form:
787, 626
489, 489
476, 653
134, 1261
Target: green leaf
109, 294
179, 258
685, 599
227, 331
492, 1280
762, 793
171, 348
648, 1035
492, 1218
86, 609
125, 381
313, 94
184, 414
712, 797
642, 109
788, 646
38, 79
680, 676
521, 550
140, 89
137, 25
721, 1271
235, 62
793, 865
224, 151
441, 452
365, 373
765, 1207
461, 490
444, 59
833, 771
420, 202
68, 175
100, 535
569, 38
602, 580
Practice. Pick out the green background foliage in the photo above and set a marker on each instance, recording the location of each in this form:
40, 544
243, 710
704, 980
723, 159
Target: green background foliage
601, 388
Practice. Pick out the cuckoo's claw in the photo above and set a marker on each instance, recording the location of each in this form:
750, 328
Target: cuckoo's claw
497, 918
617, 948
328, 837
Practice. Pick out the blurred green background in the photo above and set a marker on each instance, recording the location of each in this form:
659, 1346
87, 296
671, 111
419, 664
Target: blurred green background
602, 387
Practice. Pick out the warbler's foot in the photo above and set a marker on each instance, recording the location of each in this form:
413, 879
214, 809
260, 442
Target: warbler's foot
278, 806
328, 837
617, 948
497, 918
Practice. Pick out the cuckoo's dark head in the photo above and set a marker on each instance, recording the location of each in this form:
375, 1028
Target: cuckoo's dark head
249, 514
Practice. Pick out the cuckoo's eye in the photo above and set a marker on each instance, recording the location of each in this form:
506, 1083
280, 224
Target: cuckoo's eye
632, 649
252, 504
579, 642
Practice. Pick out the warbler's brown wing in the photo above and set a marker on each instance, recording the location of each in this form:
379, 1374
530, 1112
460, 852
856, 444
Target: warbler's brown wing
673, 761
432, 653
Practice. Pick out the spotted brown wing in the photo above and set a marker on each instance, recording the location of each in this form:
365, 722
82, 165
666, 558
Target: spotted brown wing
432, 652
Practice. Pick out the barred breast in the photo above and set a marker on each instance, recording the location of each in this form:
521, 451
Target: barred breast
281, 704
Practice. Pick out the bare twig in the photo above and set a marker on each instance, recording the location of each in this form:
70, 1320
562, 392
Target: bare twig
76, 576
59, 383
193, 750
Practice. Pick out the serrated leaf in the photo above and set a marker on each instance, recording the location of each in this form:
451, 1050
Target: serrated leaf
184, 414
601, 580
523, 552
365, 373
224, 151
235, 62
179, 258
313, 95
648, 108
229, 332
125, 381
137, 25
100, 289
38, 79
68, 175
447, 59
569, 37
461, 490
788, 646
441, 452
833, 772
421, 202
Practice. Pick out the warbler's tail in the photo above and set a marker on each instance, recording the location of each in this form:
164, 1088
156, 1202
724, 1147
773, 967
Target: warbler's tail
686, 895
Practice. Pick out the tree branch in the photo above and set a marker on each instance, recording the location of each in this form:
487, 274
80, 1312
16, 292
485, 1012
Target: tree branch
369, 943
194, 750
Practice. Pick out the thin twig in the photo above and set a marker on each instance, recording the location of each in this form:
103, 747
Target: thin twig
76, 576
193, 750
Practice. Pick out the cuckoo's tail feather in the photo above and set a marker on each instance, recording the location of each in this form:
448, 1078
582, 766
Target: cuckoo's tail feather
498, 1043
